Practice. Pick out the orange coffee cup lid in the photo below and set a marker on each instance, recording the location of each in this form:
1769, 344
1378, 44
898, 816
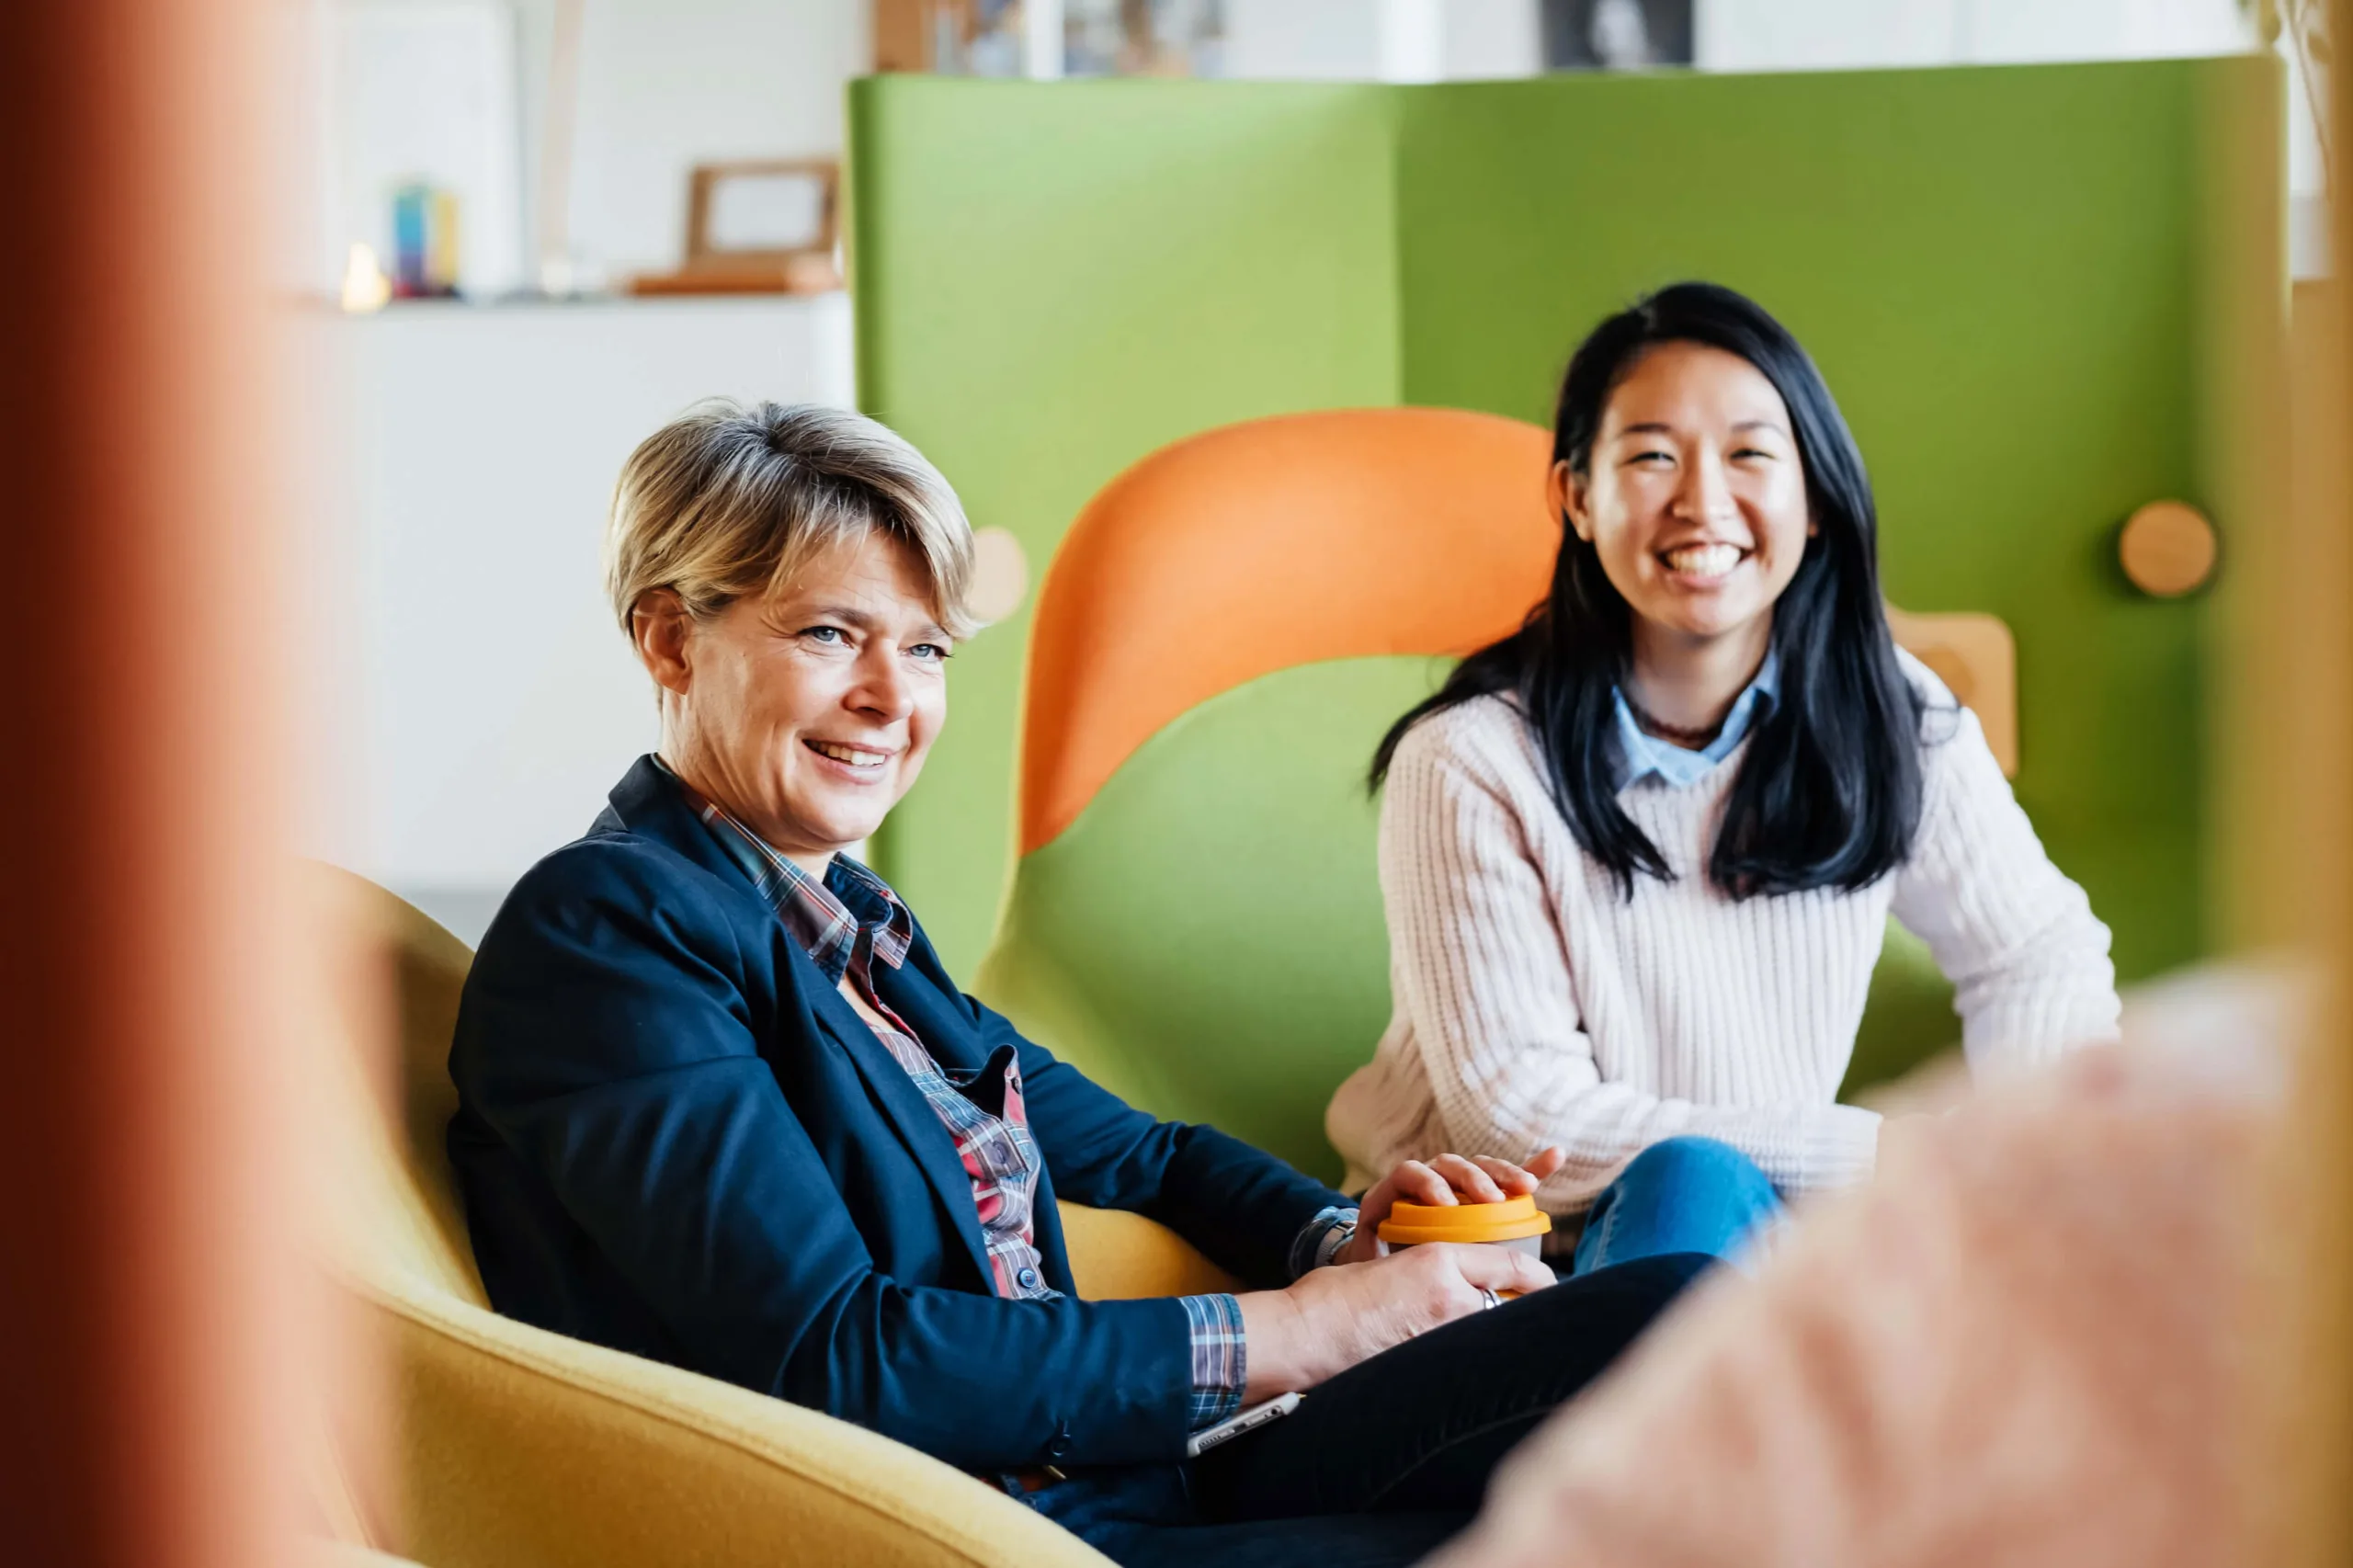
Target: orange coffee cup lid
1419, 1225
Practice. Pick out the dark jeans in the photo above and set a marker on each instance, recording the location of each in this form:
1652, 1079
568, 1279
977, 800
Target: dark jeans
1379, 1465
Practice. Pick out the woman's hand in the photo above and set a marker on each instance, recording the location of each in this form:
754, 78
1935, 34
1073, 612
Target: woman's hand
1334, 1317
1361, 1305
1446, 1180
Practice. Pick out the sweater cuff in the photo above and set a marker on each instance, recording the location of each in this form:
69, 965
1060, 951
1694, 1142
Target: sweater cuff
1844, 1151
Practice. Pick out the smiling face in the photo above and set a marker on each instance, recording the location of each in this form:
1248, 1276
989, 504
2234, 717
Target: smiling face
1694, 496
806, 714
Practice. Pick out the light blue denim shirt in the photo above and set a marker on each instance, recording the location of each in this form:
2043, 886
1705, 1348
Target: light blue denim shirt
1643, 755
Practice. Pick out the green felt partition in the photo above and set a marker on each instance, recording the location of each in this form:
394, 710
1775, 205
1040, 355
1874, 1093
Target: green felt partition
2043, 295
2009, 275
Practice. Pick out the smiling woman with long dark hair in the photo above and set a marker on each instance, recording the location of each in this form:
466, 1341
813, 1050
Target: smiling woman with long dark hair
1638, 856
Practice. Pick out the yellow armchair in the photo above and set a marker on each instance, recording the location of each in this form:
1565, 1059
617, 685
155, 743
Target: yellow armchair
512, 1448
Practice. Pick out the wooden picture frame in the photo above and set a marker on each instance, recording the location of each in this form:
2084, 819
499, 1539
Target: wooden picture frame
714, 268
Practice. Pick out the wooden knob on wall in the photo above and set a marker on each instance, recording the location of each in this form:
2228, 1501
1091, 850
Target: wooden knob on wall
2167, 548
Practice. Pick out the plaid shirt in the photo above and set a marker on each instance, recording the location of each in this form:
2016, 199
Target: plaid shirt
846, 922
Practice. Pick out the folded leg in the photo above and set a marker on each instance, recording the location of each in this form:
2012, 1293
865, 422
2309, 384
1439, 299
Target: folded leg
1420, 1427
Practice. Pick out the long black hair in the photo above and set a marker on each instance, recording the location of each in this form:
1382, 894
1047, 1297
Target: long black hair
1828, 794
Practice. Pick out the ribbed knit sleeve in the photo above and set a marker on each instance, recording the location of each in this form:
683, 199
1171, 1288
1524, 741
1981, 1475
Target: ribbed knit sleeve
1484, 980
2028, 962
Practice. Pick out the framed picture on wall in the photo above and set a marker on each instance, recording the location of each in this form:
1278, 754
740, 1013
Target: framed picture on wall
1616, 35
760, 225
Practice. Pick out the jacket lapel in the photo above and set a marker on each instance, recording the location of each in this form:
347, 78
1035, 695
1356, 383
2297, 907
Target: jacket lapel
911, 1116
647, 801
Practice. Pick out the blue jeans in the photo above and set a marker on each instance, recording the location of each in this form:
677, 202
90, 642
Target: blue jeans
1383, 1462
1683, 1194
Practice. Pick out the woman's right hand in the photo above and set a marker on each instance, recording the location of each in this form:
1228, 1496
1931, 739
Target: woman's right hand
1334, 1317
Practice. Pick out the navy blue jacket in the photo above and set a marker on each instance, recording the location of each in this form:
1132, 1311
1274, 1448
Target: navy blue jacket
675, 1137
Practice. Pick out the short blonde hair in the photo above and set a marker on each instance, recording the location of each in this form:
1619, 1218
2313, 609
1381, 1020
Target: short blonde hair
728, 500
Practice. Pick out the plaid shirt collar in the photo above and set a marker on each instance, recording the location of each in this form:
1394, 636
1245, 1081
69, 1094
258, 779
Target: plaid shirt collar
827, 917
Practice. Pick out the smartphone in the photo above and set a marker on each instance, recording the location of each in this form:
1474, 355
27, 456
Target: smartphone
1234, 1426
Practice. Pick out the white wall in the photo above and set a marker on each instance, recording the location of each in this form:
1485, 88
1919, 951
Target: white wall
1487, 39
1776, 35
663, 84
473, 698
1371, 40
1303, 40
1761, 35
374, 63
668, 84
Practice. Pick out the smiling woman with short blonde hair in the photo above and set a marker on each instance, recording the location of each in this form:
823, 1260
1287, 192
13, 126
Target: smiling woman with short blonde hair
793, 580
720, 1103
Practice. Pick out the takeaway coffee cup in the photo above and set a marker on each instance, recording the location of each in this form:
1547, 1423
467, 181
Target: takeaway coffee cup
1515, 1222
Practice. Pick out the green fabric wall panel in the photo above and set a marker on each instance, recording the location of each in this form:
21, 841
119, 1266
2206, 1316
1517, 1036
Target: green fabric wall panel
1054, 281
2009, 275
2241, 377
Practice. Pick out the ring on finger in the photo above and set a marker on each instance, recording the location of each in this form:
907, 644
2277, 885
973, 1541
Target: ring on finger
1489, 1301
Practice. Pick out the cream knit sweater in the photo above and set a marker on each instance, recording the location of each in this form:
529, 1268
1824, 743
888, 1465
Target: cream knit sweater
1534, 1005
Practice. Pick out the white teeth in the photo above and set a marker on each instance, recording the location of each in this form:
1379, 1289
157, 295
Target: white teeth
1703, 560
851, 755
